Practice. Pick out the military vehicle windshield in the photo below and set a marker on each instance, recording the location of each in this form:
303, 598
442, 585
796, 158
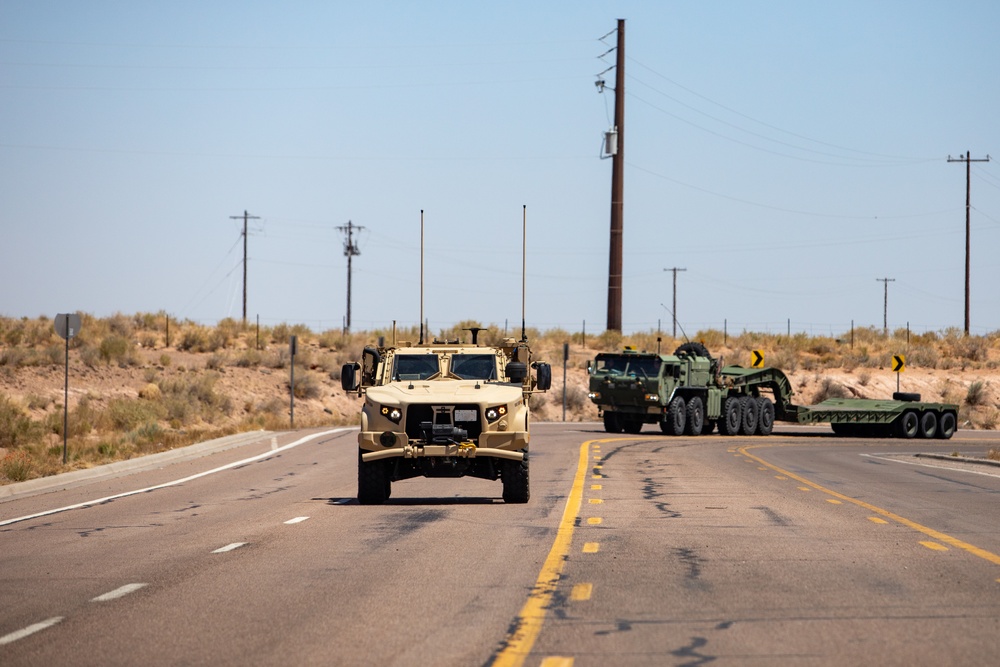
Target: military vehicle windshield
474, 366
628, 365
414, 366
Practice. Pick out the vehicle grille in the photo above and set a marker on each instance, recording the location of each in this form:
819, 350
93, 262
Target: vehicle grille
415, 414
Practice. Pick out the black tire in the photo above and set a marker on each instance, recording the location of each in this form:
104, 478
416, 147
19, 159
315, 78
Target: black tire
612, 423
516, 481
695, 422
907, 396
708, 427
731, 417
928, 424
374, 485
908, 425
947, 425
631, 423
765, 416
748, 426
676, 417
693, 349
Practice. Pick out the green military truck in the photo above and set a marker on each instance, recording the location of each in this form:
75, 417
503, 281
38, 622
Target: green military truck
691, 393
445, 409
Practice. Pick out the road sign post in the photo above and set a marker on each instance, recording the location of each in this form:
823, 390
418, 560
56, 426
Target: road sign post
67, 326
293, 346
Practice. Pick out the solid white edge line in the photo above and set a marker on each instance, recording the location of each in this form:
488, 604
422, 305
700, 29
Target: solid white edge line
884, 457
228, 466
118, 592
30, 630
229, 547
298, 519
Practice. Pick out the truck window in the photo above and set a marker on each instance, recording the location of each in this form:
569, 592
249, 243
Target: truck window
474, 366
649, 368
414, 366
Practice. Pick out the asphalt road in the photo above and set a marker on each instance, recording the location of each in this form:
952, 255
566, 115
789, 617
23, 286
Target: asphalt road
799, 549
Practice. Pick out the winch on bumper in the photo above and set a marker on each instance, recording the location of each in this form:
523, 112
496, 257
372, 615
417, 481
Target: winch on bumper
496, 445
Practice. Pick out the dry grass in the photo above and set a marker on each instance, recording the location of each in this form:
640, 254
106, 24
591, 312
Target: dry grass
153, 382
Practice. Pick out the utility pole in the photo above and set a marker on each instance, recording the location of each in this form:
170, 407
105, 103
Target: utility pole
673, 313
246, 216
617, 185
885, 305
968, 191
350, 250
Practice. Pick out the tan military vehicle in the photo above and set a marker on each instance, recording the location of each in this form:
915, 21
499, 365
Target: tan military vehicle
445, 409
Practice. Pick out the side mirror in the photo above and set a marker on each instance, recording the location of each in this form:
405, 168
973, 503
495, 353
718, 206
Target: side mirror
543, 374
349, 377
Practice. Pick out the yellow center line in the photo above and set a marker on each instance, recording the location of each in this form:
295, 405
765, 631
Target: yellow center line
528, 623
930, 532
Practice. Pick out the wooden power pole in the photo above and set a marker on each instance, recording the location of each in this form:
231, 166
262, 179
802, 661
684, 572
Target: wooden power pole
968, 190
617, 183
246, 216
350, 250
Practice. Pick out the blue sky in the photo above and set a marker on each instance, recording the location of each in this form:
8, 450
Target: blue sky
786, 154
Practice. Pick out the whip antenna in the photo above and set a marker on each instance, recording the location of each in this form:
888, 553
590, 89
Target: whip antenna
524, 255
421, 276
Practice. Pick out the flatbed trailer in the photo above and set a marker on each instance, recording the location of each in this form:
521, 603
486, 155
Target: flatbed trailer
904, 416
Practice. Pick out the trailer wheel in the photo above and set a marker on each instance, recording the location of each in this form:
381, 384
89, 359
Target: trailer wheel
675, 418
765, 416
750, 415
731, 417
946, 425
695, 416
928, 424
612, 424
909, 424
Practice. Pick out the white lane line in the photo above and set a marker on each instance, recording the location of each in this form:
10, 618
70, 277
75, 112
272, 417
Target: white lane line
228, 466
229, 547
298, 519
118, 592
30, 630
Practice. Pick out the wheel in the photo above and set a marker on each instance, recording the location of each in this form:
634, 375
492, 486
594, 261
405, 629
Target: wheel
750, 414
695, 416
612, 424
908, 425
732, 416
516, 485
631, 423
947, 424
765, 416
928, 424
374, 485
675, 417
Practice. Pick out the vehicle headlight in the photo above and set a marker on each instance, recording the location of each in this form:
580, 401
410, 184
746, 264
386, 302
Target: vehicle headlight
652, 398
495, 413
594, 395
390, 413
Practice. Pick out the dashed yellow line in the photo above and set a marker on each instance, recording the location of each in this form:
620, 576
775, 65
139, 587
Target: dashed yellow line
930, 532
595, 501
875, 519
581, 592
934, 546
591, 547
594, 521
557, 661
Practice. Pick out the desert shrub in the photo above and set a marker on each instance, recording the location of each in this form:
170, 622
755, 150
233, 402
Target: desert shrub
149, 340
16, 428
249, 359
976, 393
924, 356
117, 349
307, 386
127, 414
151, 392
829, 388
217, 361
194, 339
165, 360
14, 357
16, 466
993, 454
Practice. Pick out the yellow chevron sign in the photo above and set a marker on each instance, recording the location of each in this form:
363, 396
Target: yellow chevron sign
898, 363
757, 359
